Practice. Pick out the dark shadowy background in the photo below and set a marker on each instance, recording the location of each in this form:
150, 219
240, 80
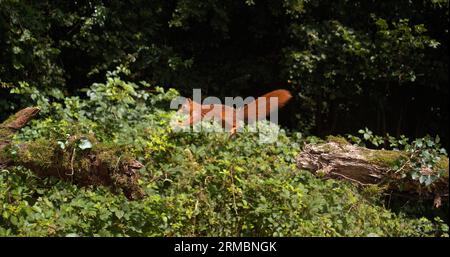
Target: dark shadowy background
350, 64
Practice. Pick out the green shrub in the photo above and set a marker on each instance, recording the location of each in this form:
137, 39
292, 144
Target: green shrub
196, 184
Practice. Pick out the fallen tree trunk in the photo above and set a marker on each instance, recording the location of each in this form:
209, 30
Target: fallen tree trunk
14, 123
80, 159
362, 166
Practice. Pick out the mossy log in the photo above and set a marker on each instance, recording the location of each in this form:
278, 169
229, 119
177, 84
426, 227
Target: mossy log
362, 166
98, 164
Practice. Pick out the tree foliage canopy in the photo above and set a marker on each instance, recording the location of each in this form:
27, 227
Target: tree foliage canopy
344, 60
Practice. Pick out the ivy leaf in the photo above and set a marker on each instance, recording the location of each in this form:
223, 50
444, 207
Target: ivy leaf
61, 145
422, 179
119, 214
428, 181
419, 143
84, 144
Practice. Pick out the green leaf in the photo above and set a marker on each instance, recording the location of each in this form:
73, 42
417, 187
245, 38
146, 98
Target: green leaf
119, 213
428, 181
61, 145
422, 179
84, 144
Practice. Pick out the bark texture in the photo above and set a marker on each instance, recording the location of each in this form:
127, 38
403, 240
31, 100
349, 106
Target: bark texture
99, 164
340, 160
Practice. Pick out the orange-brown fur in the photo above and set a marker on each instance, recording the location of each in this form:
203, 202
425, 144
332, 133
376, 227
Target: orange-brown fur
250, 112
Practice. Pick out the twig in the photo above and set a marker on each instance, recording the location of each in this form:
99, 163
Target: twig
72, 159
232, 191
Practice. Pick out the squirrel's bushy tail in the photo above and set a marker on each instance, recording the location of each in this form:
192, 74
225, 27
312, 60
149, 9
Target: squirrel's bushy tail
261, 107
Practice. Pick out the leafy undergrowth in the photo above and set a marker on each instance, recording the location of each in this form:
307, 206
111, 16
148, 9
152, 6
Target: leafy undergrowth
196, 184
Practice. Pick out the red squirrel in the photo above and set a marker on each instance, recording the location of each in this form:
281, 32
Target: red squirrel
229, 116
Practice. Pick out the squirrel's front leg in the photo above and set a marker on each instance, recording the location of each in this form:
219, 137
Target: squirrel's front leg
233, 132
